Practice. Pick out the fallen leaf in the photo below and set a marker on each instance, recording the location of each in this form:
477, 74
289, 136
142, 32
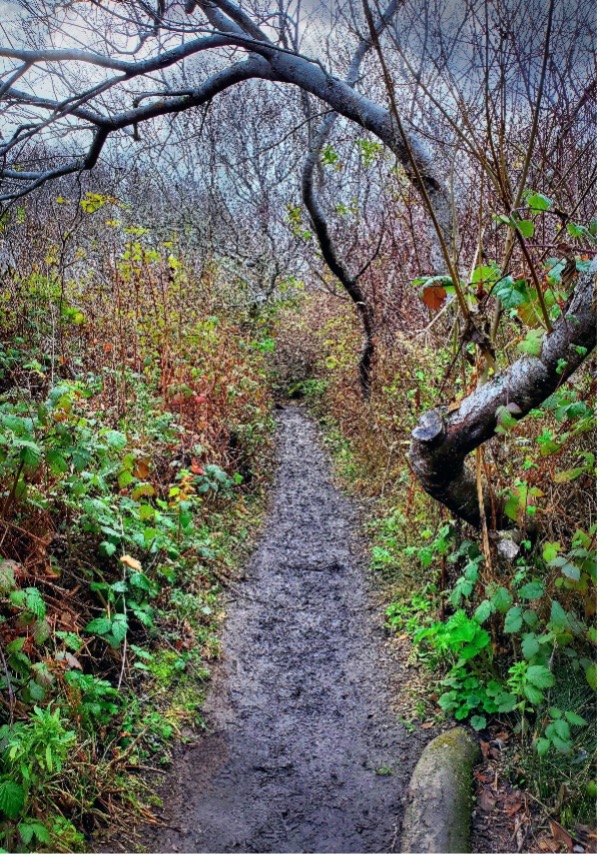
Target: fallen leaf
72, 661
486, 800
512, 805
131, 562
427, 725
141, 469
546, 844
560, 834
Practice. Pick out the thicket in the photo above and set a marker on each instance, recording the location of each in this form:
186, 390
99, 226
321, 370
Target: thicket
506, 621
135, 438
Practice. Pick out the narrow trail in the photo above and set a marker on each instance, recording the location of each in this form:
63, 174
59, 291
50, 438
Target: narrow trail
303, 754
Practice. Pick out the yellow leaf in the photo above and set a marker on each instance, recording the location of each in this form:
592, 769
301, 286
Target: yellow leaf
131, 562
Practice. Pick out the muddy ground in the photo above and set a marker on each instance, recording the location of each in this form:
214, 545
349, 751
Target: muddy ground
303, 753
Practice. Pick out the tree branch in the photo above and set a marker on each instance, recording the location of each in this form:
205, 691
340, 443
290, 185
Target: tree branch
442, 441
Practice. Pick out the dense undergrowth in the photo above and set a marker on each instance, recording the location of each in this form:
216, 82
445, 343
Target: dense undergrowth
504, 625
135, 439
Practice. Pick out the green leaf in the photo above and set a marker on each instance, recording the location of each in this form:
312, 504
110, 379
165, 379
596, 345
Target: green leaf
539, 203
125, 478
530, 645
532, 694
56, 462
558, 619
540, 676
511, 293
502, 600
485, 274
448, 700
563, 746
99, 626
542, 746
116, 440
570, 571
505, 702
34, 602
533, 590
107, 548
513, 620
575, 719
550, 551
526, 227
478, 722
119, 628
591, 676
30, 453
28, 830
12, 798
568, 476
533, 344
483, 611
562, 729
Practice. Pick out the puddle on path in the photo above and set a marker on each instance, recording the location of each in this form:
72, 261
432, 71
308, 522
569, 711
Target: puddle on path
303, 753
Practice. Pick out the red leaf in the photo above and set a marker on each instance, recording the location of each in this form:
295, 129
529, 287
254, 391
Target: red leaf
434, 297
196, 468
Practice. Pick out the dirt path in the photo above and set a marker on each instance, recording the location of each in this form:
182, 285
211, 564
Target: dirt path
303, 754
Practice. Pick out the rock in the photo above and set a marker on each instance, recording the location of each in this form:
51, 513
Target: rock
438, 814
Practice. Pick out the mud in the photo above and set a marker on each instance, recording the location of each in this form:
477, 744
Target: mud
303, 753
